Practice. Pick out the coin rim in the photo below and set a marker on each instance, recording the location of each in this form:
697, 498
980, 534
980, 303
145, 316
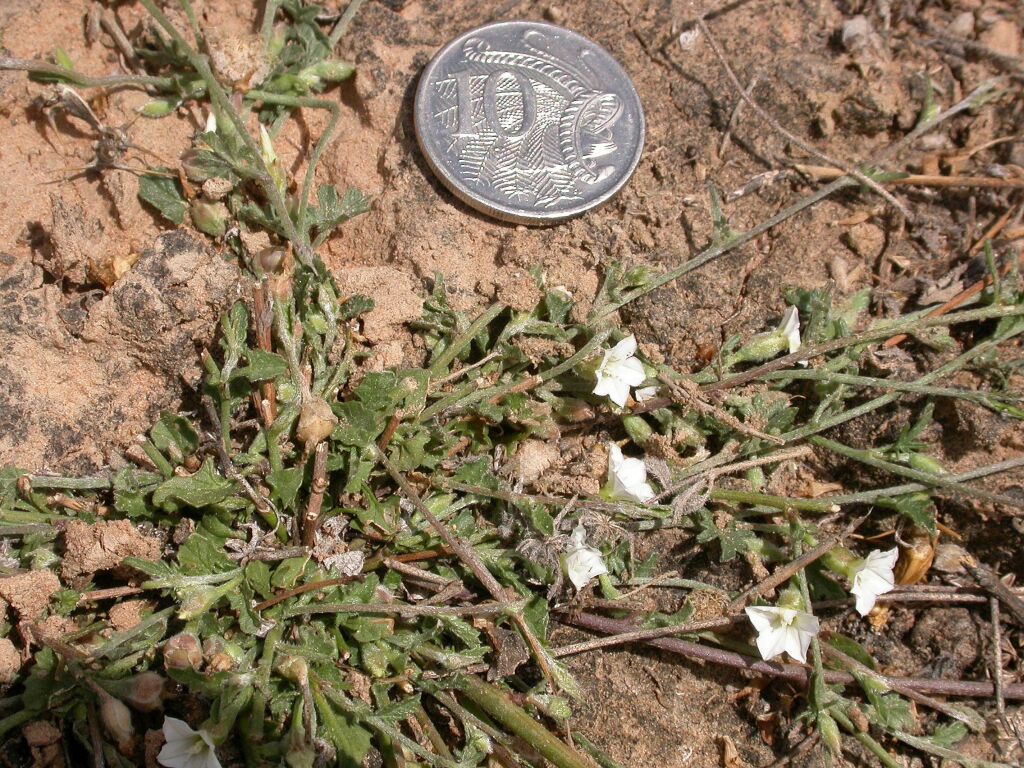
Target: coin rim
497, 210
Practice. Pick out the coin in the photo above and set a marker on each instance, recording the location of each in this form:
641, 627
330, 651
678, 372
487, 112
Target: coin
528, 122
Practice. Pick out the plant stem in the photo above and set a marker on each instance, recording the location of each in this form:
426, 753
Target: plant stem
881, 330
343, 23
33, 66
866, 739
778, 502
498, 705
497, 392
953, 365
223, 104
439, 365
396, 609
929, 479
793, 672
912, 387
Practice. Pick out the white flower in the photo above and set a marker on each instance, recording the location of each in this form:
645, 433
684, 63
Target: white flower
619, 371
645, 393
790, 328
211, 122
582, 563
627, 477
872, 577
186, 748
782, 629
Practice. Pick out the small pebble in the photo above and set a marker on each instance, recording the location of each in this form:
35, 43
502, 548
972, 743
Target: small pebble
962, 25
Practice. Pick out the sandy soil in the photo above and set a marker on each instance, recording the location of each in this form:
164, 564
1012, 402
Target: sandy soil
102, 313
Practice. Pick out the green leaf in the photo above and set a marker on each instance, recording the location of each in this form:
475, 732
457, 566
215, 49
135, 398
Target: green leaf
62, 60
257, 574
332, 212
355, 306
851, 648
199, 490
130, 494
203, 554
164, 194
174, 436
948, 735
263, 366
286, 484
916, 507
357, 424
393, 714
288, 573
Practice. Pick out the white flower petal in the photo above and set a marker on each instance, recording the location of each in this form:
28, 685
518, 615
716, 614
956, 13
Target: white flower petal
627, 477
873, 577
630, 371
618, 392
583, 563
865, 603
211, 122
796, 644
782, 629
762, 617
176, 729
185, 747
644, 394
622, 350
619, 371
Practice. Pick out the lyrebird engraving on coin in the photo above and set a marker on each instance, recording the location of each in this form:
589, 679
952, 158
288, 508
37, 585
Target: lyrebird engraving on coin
529, 122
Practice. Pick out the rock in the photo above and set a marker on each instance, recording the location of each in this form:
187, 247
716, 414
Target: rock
1003, 37
531, 460
29, 593
10, 661
948, 638
127, 614
962, 25
856, 33
103, 546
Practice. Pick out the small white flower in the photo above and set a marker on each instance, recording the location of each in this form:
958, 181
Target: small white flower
645, 393
582, 563
790, 328
782, 629
211, 122
186, 748
619, 371
627, 477
872, 577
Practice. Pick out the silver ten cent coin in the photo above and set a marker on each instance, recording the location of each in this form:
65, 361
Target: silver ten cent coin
529, 122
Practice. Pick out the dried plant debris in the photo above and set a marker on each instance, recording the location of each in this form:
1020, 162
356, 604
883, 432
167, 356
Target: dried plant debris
322, 562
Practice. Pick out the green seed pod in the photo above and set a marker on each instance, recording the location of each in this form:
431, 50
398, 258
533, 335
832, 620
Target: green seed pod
183, 652
830, 733
209, 217
638, 429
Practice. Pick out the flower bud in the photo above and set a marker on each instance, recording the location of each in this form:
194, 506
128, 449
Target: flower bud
331, 71
183, 652
117, 721
210, 218
270, 259
146, 692
830, 733
638, 429
293, 668
316, 422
